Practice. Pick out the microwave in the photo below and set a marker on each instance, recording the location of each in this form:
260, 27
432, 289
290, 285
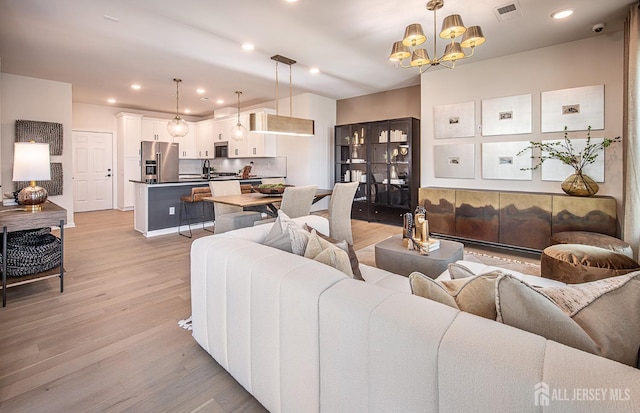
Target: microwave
221, 149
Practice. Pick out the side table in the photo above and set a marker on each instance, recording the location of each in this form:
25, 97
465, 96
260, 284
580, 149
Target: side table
393, 256
16, 218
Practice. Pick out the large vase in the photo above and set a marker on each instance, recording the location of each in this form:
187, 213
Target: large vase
579, 184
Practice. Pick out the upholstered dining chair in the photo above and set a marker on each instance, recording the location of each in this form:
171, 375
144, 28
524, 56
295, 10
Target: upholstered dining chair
296, 202
229, 217
340, 211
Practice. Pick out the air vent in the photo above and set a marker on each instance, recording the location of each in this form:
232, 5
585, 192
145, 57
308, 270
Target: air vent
508, 11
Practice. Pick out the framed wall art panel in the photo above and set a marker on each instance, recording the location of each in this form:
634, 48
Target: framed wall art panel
506, 116
454, 121
576, 108
499, 161
454, 161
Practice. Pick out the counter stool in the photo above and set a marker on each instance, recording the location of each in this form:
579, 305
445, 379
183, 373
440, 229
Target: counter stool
184, 215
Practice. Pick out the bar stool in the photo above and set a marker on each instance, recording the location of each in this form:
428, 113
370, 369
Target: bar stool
196, 196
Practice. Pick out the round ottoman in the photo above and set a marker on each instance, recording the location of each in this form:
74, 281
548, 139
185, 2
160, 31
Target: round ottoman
594, 239
577, 263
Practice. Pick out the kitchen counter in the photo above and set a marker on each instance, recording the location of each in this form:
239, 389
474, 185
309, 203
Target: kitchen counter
157, 206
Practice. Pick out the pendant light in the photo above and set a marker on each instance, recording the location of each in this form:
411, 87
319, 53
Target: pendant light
177, 127
239, 132
278, 124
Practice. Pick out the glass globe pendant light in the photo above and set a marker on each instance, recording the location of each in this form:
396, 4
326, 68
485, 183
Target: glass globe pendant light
177, 127
239, 132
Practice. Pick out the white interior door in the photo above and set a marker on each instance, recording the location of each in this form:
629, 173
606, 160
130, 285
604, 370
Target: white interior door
92, 171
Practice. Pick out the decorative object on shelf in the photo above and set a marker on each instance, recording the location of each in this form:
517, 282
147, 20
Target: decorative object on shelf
415, 232
578, 184
239, 132
31, 163
452, 27
32, 251
41, 132
177, 127
281, 125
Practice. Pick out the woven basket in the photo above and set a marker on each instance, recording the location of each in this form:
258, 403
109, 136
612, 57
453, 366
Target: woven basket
33, 251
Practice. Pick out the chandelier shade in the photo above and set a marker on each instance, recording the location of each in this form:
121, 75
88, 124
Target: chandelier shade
413, 35
177, 127
406, 54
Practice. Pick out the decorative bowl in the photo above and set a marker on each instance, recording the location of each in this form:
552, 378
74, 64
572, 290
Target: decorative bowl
270, 190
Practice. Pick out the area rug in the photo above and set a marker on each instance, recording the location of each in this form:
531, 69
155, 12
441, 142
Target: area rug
366, 256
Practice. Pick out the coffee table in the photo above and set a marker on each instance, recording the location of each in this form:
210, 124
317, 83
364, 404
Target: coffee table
393, 256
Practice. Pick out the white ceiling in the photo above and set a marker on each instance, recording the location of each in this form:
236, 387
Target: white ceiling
199, 41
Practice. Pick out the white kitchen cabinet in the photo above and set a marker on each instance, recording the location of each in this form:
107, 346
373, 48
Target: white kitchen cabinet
129, 134
130, 171
205, 139
155, 130
188, 146
256, 145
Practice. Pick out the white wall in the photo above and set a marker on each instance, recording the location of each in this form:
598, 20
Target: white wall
28, 98
593, 61
310, 159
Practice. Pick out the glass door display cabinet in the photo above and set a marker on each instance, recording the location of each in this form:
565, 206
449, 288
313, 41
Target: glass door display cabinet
389, 170
351, 163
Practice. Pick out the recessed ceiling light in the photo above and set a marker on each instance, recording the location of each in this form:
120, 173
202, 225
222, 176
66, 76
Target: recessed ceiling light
291, 1
200, 91
248, 46
111, 100
136, 86
187, 111
561, 14
314, 70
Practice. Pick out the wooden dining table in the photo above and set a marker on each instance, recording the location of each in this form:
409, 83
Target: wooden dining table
256, 199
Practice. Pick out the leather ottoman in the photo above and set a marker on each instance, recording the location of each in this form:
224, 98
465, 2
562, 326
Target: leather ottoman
577, 263
594, 239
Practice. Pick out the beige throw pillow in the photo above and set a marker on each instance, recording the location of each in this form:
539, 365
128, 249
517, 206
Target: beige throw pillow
475, 294
348, 248
327, 253
286, 235
601, 317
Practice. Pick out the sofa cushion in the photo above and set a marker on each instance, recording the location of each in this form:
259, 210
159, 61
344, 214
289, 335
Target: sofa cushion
323, 251
348, 248
287, 235
601, 317
475, 295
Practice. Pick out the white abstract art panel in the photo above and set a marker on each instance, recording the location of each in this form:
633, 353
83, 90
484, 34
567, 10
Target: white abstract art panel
499, 161
454, 161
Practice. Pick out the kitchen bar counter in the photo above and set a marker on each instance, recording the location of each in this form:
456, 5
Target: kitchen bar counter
157, 206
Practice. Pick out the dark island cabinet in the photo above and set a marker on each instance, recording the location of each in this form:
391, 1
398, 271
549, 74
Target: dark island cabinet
384, 157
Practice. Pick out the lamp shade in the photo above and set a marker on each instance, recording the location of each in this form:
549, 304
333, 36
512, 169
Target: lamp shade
31, 161
452, 26
473, 37
413, 35
177, 127
420, 57
399, 52
453, 52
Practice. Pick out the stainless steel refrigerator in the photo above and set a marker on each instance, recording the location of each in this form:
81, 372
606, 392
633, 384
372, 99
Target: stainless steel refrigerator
159, 161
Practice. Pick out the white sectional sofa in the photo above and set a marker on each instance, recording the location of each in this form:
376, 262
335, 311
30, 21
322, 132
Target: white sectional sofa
302, 337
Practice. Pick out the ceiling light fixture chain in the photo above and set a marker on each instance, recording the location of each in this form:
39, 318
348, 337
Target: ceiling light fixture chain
177, 127
452, 27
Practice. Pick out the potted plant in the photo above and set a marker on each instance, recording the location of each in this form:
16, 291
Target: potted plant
578, 183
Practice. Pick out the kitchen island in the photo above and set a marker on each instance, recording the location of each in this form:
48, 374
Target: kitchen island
157, 205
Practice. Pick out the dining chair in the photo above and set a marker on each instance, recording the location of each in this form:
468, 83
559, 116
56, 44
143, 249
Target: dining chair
229, 217
296, 202
340, 211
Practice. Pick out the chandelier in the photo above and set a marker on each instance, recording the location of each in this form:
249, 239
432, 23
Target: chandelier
452, 28
239, 131
177, 127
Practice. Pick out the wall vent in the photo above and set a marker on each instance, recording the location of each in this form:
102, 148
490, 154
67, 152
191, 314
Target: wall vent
508, 11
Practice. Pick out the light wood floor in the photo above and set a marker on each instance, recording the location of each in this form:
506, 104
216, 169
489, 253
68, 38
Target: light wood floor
111, 342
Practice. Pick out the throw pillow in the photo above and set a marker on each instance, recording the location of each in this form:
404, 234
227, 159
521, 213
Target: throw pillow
348, 248
601, 317
458, 271
327, 253
475, 295
286, 235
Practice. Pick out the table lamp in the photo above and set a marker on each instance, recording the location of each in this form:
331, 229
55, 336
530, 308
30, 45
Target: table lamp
31, 163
